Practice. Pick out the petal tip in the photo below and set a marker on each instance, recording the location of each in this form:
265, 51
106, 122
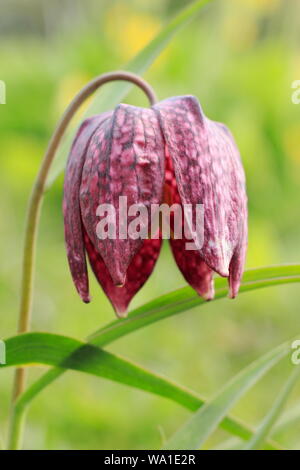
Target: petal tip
208, 295
206, 292
232, 293
233, 288
83, 292
121, 313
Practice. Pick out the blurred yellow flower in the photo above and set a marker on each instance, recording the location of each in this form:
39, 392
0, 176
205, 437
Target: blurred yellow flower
240, 30
262, 244
23, 155
129, 29
67, 89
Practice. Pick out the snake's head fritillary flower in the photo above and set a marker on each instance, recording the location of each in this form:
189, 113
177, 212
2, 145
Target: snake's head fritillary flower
170, 153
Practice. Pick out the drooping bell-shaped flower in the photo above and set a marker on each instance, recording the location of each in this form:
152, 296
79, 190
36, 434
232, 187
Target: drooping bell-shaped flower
170, 153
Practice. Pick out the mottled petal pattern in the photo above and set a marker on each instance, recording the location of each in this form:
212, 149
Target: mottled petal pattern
71, 207
195, 271
138, 272
237, 263
208, 171
193, 268
170, 153
125, 158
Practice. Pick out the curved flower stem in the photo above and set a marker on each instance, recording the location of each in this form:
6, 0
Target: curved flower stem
32, 221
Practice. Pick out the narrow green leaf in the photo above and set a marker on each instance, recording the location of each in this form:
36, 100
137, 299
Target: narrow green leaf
68, 353
267, 424
170, 304
184, 397
233, 443
113, 94
288, 419
205, 421
186, 298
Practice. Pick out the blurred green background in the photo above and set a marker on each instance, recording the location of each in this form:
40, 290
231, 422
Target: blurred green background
240, 59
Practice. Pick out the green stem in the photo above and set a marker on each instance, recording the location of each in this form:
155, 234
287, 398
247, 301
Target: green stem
32, 221
17, 417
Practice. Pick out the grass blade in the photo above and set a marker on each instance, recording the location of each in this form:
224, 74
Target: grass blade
205, 421
288, 419
233, 443
186, 298
168, 305
69, 353
264, 429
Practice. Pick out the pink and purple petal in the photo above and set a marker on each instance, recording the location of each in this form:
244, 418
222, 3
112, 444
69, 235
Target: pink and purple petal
195, 271
208, 171
138, 272
71, 208
193, 268
237, 262
125, 158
